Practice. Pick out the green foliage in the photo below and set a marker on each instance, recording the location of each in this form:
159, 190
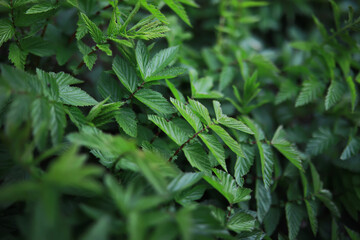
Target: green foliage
168, 133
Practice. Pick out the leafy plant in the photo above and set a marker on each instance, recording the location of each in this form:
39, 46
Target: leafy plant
176, 119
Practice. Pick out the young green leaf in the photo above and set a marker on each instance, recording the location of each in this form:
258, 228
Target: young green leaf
94, 30
179, 10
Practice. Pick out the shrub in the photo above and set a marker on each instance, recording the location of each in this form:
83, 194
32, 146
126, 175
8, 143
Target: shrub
171, 119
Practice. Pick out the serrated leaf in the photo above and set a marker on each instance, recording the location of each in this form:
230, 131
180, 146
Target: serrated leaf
289, 150
75, 96
311, 210
6, 30
235, 124
40, 114
126, 73
109, 88
201, 111
321, 140
177, 94
263, 200
16, 56
41, 8
241, 222
243, 164
171, 130
226, 76
325, 196
334, 94
351, 149
215, 148
310, 91
189, 116
57, 123
155, 101
167, 73
94, 30
126, 118
179, 10
154, 11
197, 157
228, 140
293, 218
226, 185
105, 48
161, 60
142, 57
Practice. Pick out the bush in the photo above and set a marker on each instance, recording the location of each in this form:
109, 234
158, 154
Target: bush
170, 119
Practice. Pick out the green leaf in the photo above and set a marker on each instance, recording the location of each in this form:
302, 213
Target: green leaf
228, 140
161, 60
271, 220
353, 92
311, 210
351, 149
248, 4
215, 148
142, 57
334, 94
126, 73
40, 115
155, 101
266, 156
167, 73
189, 116
41, 8
184, 181
289, 150
105, 48
241, 222
243, 164
94, 30
154, 11
287, 91
179, 10
177, 94
325, 196
321, 140
109, 88
263, 200
99, 230
16, 56
171, 130
293, 218
235, 124
126, 118
315, 178
226, 185
201, 111
197, 157
75, 96
6, 30
57, 123
226, 76
352, 234
310, 92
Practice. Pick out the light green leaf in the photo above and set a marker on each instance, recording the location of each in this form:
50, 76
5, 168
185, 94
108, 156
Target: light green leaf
197, 157
167, 73
241, 222
154, 11
94, 30
75, 96
142, 57
201, 111
226, 76
171, 130
41, 8
189, 116
289, 150
226, 185
6, 30
161, 60
105, 48
177, 94
248, 4
215, 148
126, 73
353, 92
228, 140
155, 101
235, 124
179, 10
126, 118
16, 56
184, 181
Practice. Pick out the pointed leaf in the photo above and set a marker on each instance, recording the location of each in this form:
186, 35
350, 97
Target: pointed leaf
126, 74
155, 101
215, 147
228, 140
197, 157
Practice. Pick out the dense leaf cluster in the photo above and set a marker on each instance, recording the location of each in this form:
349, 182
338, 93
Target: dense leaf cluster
176, 119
